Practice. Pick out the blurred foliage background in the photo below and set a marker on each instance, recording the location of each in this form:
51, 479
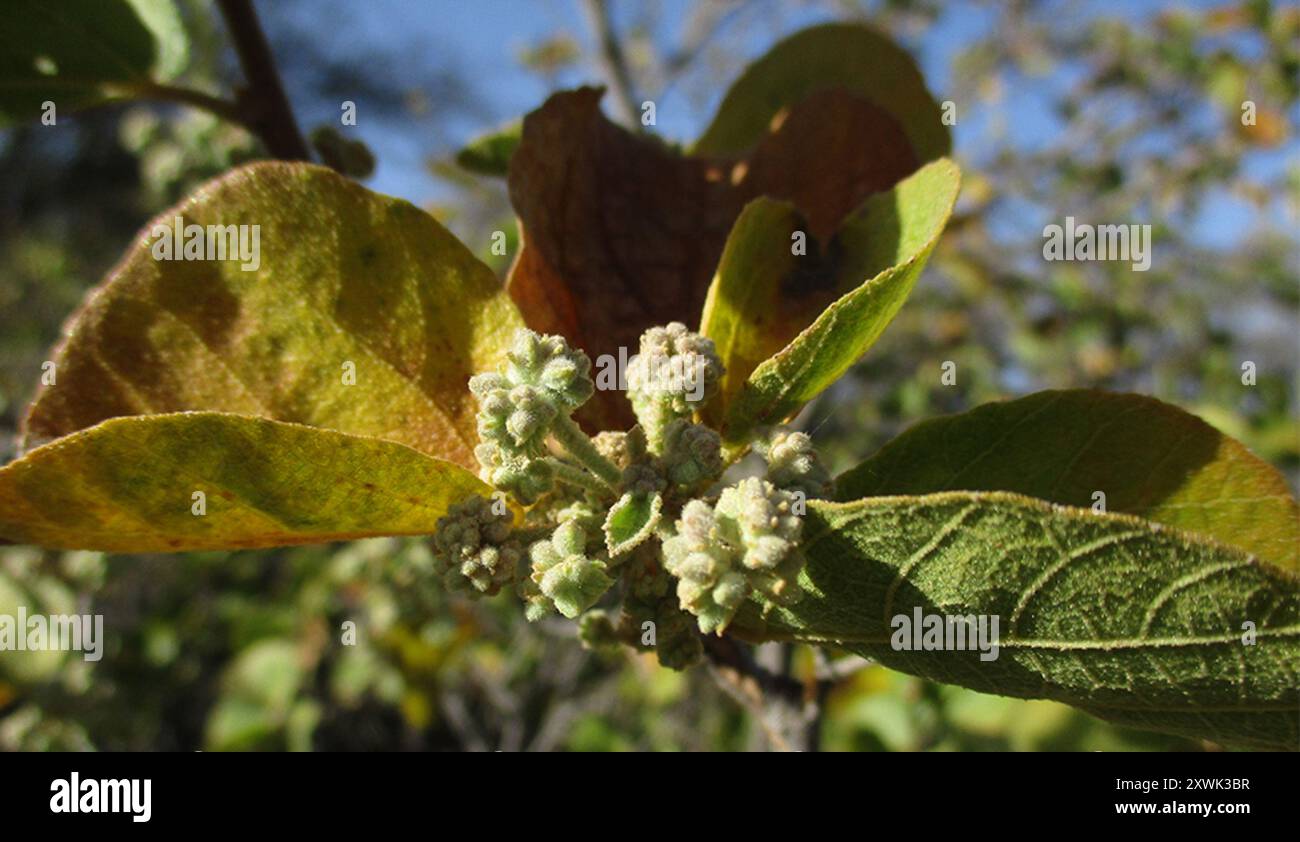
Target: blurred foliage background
1125, 112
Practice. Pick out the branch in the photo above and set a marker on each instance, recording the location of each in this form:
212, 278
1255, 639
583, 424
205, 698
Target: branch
266, 108
223, 108
789, 715
612, 61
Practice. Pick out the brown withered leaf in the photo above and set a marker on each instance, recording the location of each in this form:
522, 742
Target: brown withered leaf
621, 233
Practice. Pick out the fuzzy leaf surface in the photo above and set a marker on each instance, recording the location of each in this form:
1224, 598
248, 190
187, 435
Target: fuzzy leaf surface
1128, 620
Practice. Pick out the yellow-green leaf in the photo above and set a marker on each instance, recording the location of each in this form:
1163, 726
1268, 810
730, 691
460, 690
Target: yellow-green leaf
758, 299
837, 55
1145, 457
359, 313
209, 480
1136, 623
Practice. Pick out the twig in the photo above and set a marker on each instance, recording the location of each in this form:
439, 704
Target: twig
223, 108
265, 106
833, 672
612, 61
789, 715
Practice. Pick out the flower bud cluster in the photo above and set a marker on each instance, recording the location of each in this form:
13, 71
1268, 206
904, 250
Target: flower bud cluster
746, 544
474, 548
636, 507
675, 373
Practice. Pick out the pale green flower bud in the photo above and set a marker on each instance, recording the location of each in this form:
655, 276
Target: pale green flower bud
565, 574
517, 419
523, 478
547, 363
676, 643
703, 563
675, 372
648, 598
747, 543
642, 478
792, 463
769, 536
622, 449
692, 453
763, 513
473, 547
597, 631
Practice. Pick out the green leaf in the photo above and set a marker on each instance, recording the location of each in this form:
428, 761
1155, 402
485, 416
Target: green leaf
1149, 459
838, 55
76, 53
1130, 621
631, 520
360, 314
132, 485
490, 154
42, 665
258, 691
886, 241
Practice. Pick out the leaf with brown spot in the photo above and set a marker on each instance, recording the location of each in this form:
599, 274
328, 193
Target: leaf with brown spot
620, 233
787, 326
345, 276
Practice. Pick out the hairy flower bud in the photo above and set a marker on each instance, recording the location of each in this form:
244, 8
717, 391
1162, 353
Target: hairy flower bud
692, 453
769, 529
516, 419
708, 586
548, 364
473, 547
649, 605
622, 449
523, 478
747, 543
565, 574
597, 631
792, 462
675, 372
676, 643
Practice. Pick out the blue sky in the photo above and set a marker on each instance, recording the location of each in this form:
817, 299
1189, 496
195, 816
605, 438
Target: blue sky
483, 39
